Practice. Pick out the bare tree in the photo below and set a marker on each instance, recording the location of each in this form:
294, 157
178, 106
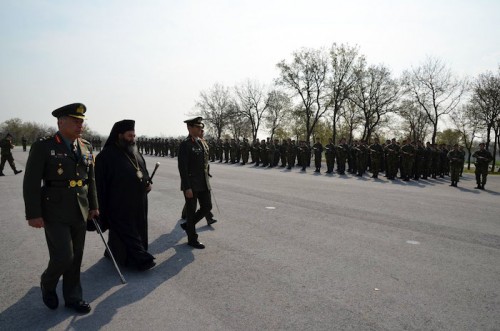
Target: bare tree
344, 60
375, 94
238, 126
253, 101
486, 95
214, 106
279, 108
415, 119
435, 89
352, 119
307, 77
468, 123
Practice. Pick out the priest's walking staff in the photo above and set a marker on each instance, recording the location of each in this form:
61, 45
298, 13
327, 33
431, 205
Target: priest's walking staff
98, 228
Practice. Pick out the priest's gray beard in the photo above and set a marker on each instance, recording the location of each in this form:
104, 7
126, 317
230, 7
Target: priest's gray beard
128, 146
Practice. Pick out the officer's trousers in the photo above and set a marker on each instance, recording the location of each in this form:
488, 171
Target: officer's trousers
65, 242
193, 216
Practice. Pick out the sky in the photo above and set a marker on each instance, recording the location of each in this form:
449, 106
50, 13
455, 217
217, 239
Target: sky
149, 60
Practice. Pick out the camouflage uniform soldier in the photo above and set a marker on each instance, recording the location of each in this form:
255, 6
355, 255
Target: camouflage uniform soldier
483, 158
263, 153
330, 156
270, 151
283, 153
461, 149
376, 153
419, 160
276, 152
456, 163
445, 163
232, 151
408, 156
361, 158
6, 154
351, 161
291, 154
24, 142
219, 150
256, 152
318, 153
304, 154
211, 151
245, 149
392, 152
342, 154
227, 148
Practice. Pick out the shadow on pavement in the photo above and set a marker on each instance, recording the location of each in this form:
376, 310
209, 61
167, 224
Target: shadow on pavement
30, 311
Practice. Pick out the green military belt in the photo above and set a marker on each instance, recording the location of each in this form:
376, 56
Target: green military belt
66, 183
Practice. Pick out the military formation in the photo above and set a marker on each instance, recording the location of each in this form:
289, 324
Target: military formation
406, 160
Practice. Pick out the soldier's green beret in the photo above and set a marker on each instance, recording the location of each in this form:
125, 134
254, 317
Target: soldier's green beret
197, 121
74, 110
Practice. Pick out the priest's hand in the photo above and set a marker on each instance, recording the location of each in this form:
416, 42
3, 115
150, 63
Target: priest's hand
188, 193
148, 188
93, 214
36, 222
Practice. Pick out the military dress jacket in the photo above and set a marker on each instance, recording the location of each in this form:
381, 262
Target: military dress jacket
58, 185
193, 165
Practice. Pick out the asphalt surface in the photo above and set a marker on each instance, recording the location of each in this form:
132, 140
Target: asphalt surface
291, 251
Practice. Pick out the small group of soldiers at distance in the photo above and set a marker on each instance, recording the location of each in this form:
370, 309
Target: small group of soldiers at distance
96, 143
158, 146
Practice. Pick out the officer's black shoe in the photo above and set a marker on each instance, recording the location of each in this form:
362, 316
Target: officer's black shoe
183, 226
17, 172
211, 221
79, 306
482, 187
196, 244
478, 186
1, 174
49, 298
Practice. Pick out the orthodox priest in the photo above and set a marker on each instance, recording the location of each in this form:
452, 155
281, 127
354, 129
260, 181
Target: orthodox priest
122, 188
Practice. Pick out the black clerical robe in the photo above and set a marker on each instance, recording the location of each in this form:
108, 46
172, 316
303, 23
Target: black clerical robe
123, 204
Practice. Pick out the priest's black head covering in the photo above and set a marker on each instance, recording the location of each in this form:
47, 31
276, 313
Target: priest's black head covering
74, 110
119, 127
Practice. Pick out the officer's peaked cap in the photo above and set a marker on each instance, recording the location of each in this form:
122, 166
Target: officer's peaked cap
197, 121
74, 110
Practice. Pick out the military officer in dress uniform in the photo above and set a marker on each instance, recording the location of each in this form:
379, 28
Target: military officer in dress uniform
195, 184
64, 166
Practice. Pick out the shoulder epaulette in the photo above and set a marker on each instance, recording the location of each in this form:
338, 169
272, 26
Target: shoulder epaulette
86, 142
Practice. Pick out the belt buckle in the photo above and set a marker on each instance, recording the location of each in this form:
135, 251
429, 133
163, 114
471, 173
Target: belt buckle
72, 183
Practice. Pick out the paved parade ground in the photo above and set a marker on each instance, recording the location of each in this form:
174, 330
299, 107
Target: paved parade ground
291, 251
